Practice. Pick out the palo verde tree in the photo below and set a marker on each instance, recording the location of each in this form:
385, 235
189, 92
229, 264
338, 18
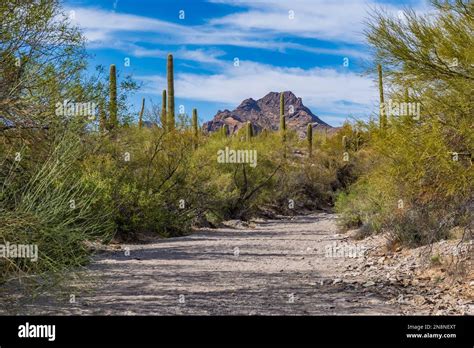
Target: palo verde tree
424, 163
42, 58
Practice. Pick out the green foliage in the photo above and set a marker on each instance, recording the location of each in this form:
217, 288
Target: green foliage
416, 186
41, 61
44, 202
382, 115
144, 176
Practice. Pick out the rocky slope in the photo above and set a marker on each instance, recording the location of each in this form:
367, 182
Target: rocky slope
265, 113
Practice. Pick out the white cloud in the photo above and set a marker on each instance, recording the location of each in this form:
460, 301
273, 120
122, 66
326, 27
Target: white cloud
109, 21
339, 21
327, 89
320, 19
260, 27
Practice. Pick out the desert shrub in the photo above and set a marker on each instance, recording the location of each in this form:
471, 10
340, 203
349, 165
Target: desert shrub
421, 176
44, 203
238, 190
366, 203
414, 189
144, 174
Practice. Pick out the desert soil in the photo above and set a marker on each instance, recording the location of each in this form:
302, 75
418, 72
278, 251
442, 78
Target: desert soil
267, 267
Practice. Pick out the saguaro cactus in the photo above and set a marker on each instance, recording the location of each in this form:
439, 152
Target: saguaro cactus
345, 143
163, 110
309, 135
249, 131
282, 114
223, 131
170, 114
113, 120
195, 128
140, 116
383, 116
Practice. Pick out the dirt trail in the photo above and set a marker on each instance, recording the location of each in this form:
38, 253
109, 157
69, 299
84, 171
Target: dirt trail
276, 267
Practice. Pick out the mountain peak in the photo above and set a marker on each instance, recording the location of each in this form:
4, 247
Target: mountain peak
265, 113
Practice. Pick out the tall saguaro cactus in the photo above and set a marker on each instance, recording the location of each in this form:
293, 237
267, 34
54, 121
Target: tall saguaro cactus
113, 120
170, 115
140, 116
383, 116
282, 114
195, 129
163, 110
249, 131
309, 135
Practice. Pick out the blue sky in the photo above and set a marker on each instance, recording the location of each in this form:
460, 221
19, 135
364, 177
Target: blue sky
297, 45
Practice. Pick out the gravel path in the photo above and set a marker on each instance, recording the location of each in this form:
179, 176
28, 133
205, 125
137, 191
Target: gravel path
276, 267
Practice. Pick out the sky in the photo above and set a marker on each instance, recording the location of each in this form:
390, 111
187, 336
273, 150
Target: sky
226, 51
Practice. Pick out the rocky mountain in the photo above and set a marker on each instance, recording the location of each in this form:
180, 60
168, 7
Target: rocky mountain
265, 113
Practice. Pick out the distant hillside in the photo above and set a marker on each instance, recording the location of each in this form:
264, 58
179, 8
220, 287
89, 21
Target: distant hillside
265, 113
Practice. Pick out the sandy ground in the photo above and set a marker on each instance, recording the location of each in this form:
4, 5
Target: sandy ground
277, 267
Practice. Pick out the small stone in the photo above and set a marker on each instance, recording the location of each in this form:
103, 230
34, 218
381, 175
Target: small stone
336, 281
419, 300
369, 283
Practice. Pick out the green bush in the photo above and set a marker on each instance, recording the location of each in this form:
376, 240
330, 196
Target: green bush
44, 203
